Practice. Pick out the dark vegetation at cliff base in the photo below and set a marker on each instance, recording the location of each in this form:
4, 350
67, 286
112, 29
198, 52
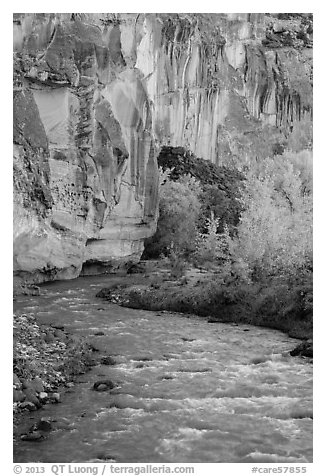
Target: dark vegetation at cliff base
192, 189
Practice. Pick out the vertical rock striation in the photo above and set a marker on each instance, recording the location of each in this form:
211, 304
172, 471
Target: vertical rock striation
97, 95
85, 169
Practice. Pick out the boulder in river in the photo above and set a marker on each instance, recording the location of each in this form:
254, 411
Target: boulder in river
17, 383
304, 349
105, 457
62, 423
103, 385
107, 360
31, 397
56, 397
42, 425
259, 359
43, 396
28, 406
38, 384
18, 396
34, 436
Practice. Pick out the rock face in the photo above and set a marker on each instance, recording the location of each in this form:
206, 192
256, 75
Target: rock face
97, 95
305, 349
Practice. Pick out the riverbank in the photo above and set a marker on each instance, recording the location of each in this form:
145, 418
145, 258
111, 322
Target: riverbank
186, 390
46, 361
274, 304
47, 358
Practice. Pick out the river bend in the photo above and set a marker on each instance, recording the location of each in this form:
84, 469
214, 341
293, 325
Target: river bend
188, 390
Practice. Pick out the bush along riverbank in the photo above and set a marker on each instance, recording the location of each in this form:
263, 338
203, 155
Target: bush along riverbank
46, 360
278, 305
248, 229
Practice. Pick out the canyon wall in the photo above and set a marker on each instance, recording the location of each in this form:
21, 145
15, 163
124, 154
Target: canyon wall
97, 95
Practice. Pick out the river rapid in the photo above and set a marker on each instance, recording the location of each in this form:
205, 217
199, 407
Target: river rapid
188, 390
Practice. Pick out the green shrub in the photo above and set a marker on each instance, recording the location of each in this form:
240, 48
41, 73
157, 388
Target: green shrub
274, 234
303, 165
222, 203
178, 264
179, 210
259, 230
301, 136
275, 231
213, 248
221, 186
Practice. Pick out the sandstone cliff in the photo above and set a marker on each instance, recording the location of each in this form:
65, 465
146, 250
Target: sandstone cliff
97, 95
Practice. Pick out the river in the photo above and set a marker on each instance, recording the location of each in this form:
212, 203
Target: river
188, 390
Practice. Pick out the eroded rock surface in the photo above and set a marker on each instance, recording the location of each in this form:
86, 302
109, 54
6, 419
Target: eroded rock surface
85, 169
97, 95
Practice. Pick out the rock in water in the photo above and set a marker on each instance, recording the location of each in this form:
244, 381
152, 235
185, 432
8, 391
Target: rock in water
34, 436
103, 385
305, 349
56, 397
37, 384
41, 426
28, 406
107, 360
31, 397
43, 395
18, 396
